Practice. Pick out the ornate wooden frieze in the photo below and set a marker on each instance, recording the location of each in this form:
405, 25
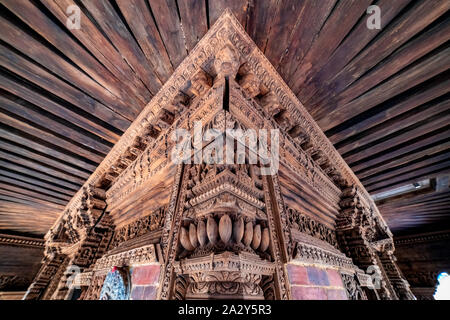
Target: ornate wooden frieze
9, 282
6, 239
309, 253
139, 227
302, 223
83, 279
95, 287
138, 256
353, 286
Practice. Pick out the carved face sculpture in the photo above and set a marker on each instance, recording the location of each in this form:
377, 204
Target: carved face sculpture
200, 83
250, 84
271, 104
227, 62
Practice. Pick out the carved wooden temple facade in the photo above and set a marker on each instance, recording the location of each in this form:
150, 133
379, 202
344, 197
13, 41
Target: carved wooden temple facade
144, 226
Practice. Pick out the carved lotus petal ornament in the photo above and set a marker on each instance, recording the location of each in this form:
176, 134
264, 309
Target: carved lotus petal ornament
238, 229
225, 228
193, 235
212, 230
265, 239
201, 233
184, 239
248, 234
256, 237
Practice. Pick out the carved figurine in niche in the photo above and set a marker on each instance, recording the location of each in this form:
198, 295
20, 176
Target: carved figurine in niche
117, 285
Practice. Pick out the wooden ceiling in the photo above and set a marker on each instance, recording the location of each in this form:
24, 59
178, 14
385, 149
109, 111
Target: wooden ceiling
381, 96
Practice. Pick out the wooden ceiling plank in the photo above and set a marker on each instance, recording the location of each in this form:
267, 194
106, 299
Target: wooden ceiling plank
398, 153
41, 78
37, 174
36, 157
260, 19
54, 126
395, 172
238, 7
423, 95
57, 109
36, 147
52, 61
341, 20
36, 189
31, 199
50, 31
395, 163
284, 26
36, 182
311, 19
399, 83
109, 20
146, 33
32, 194
22, 126
193, 20
434, 124
396, 34
41, 168
407, 54
427, 172
168, 22
318, 84
100, 47
395, 125
27, 203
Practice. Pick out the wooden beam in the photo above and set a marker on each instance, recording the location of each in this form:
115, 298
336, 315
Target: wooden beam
36, 182
402, 29
41, 78
193, 19
427, 172
168, 22
146, 33
407, 54
357, 39
398, 171
338, 24
48, 137
430, 125
111, 23
40, 167
403, 160
394, 125
37, 147
402, 81
46, 57
56, 109
32, 194
423, 95
5, 146
101, 48
39, 175
313, 15
50, 31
